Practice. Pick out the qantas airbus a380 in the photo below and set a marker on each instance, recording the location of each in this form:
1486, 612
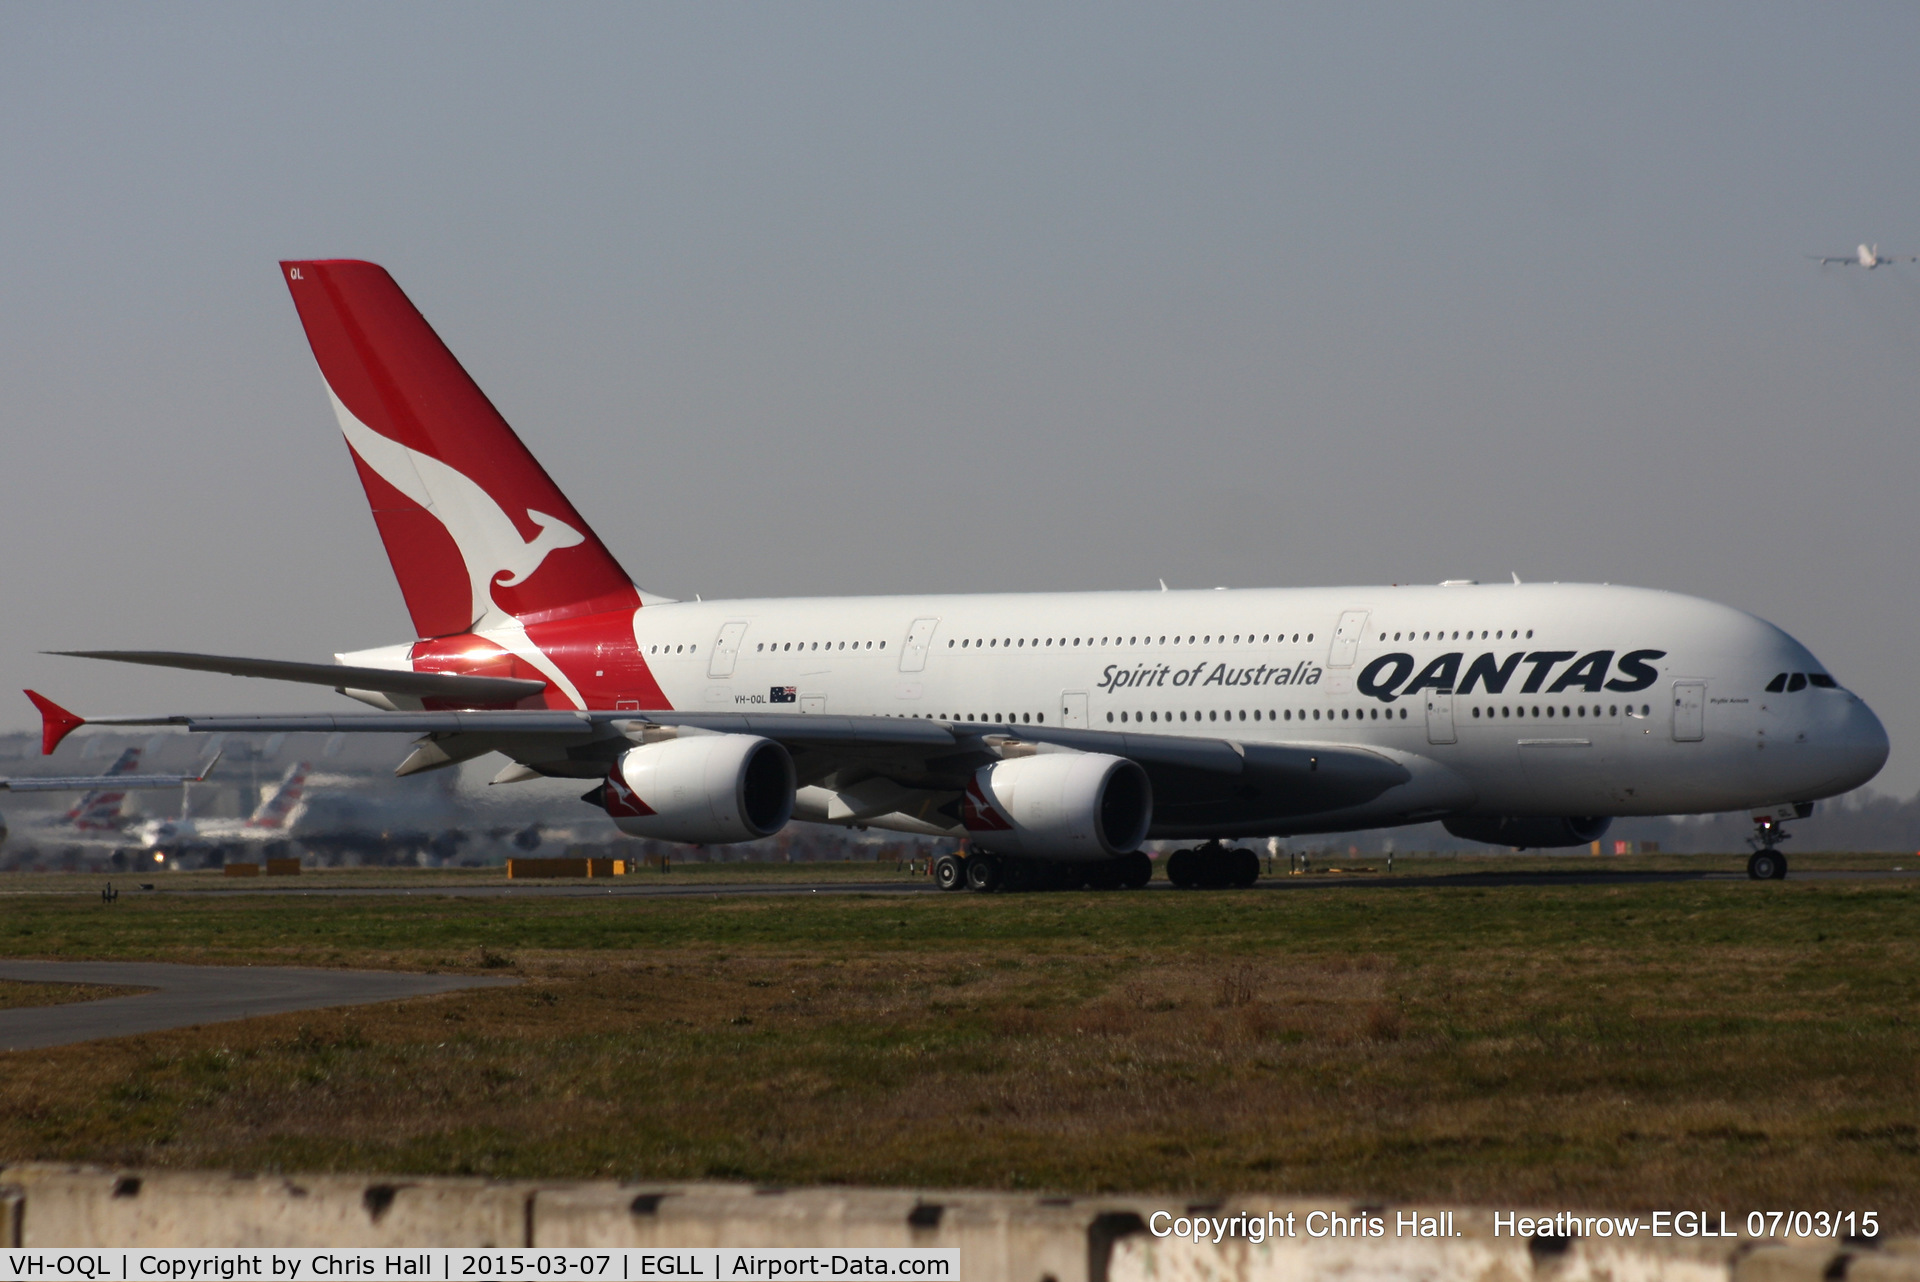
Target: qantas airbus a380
1057, 731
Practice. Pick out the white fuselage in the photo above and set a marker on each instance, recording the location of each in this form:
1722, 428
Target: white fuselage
1590, 732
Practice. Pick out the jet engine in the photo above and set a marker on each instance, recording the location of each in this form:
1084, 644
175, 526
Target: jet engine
703, 789
1059, 805
1510, 830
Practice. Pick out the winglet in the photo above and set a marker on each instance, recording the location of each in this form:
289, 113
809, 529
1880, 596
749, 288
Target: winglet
56, 723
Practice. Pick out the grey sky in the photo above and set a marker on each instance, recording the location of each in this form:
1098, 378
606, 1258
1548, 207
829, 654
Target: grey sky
887, 298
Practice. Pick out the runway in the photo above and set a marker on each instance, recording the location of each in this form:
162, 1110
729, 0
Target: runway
636, 889
189, 995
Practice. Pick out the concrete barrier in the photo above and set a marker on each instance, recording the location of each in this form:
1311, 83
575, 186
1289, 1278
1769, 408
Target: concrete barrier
1476, 1254
1002, 1237
62, 1206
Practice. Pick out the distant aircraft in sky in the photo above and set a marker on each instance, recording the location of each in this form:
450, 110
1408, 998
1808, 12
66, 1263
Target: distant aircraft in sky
1867, 256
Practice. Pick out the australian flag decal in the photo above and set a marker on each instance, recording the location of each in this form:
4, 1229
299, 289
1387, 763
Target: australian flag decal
783, 694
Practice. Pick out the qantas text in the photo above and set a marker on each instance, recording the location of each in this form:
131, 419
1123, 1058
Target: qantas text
1386, 678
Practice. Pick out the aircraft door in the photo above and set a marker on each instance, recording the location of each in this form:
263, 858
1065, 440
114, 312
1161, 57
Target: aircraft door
1346, 639
1440, 717
1073, 709
1689, 711
919, 636
726, 648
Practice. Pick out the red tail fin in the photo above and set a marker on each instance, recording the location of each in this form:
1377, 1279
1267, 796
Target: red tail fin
473, 525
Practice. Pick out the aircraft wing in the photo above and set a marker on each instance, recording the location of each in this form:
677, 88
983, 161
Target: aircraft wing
1277, 779
115, 783
429, 685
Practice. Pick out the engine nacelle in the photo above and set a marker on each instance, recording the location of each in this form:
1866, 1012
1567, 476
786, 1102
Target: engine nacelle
1510, 830
703, 789
1059, 805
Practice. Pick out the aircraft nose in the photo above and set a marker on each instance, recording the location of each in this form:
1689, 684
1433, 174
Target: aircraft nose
1857, 749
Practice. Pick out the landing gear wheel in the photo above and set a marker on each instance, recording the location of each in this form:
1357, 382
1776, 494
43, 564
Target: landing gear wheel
1181, 870
983, 874
1766, 865
948, 874
1780, 866
1246, 866
1105, 875
1136, 870
1215, 866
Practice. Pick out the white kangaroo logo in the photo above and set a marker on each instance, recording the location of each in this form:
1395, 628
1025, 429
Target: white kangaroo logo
488, 540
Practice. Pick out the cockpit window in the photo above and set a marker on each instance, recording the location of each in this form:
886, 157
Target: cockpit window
1822, 680
1798, 681
1778, 684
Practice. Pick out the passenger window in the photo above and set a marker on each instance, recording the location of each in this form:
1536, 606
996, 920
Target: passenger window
1778, 684
1316, 714
1109, 716
1798, 681
1476, 714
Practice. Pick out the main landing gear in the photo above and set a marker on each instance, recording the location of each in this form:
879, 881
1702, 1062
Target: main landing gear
1213, 866
983, 873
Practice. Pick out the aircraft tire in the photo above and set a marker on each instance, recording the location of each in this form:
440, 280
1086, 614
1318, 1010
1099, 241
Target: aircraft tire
1246, 866
1180, 869
983, 874
1766, 865
1216, 867
1779, 866
948, 873
1136, 870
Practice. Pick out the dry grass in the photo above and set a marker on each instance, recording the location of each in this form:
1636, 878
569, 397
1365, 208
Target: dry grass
1731, 1045
14, 994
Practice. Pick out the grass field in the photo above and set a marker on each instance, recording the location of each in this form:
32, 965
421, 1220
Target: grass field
14, 995
1727, 1044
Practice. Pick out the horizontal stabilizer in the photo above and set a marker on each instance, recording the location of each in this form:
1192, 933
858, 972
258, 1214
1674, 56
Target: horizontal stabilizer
424, 685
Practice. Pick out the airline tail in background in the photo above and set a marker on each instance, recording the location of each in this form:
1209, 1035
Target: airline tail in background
280, 804
99, 810
476, 529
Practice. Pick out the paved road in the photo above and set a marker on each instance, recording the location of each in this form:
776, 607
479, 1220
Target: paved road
188, 995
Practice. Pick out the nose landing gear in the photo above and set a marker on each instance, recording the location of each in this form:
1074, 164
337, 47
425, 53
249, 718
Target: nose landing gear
1767, 863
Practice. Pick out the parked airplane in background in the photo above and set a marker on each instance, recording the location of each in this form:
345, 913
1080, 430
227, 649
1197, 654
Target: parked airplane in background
99, 809
1057, 731
171, 838
1867, 256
